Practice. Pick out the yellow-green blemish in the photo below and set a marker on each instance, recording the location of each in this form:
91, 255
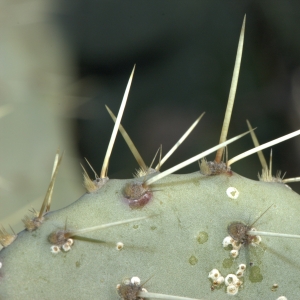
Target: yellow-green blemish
196, 182
255, 275
227, 262
193, 260
202, 237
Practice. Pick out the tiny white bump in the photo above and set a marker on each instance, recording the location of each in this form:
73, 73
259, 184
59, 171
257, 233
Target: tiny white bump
220, 280
214, 274
256, 241
135, 280
66, 247
232, 192
234, 253
119, 246
0, 265
55, 249
70, 242
232, 289
232, 279
227, 241
282, 298
239, 273
241, 270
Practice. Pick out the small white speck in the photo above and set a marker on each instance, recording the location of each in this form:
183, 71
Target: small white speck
70, 242
241, 270
220, 280
231, 279
227, 241
119, 246
0, 265
214, 274
232, 193
239, 273
232, 289
216, 277
66, 247
282, 298
257, 239
55, 249
135, 280
234, 253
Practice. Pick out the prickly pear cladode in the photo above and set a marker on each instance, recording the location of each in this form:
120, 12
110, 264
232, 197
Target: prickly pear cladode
206, 235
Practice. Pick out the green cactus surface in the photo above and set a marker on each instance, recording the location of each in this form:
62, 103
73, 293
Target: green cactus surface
176, 247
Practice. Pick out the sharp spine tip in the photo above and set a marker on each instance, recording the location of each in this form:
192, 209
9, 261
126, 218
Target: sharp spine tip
104, 169
129, 142
263, 146
191, 160
48, 197
179, 142
232, 92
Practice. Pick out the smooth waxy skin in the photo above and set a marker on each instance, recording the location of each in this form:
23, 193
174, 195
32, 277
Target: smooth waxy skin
165, 246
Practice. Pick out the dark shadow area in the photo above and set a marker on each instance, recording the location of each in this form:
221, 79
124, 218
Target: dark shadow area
185, 53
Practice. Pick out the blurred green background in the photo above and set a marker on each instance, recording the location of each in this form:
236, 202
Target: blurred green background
61, 61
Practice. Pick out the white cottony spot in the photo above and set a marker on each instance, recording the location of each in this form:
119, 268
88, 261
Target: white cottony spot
234, 253
241, 270
66, 247
214, 274
232, 289
231, 279
135, 280
70, 242
216, 277
227, 241
119, 246
55, 249
220, 280
232, 193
